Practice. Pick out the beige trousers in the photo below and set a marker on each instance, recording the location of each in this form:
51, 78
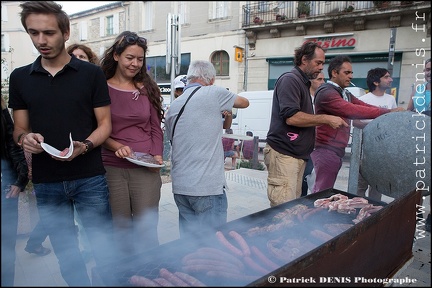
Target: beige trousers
285, 176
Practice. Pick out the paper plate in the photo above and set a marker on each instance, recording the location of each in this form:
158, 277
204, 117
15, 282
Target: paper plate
54, 152
144, 159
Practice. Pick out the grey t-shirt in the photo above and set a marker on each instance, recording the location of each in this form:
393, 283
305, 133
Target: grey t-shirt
197, 159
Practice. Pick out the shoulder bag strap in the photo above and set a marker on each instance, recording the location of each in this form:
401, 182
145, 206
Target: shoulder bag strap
181, 111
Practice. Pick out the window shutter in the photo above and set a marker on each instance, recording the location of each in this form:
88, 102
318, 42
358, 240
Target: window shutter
116, 23
83, 30
102, 26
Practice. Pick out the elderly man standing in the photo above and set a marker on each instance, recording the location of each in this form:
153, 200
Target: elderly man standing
194, 127
291, 135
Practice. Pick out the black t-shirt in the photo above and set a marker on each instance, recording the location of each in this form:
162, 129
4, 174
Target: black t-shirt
58, 106
291, 95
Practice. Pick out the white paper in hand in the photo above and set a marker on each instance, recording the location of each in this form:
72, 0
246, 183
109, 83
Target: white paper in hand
54, 152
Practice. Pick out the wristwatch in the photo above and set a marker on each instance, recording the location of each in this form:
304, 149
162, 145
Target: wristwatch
89, 146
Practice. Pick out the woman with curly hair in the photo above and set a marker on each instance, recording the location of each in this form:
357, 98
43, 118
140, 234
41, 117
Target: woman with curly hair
83, 52
136, 115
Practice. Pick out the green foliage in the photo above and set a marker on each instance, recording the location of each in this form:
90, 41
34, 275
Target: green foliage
380, 4
303, 8
248, 164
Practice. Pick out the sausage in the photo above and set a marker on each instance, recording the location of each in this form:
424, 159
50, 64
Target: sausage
163, 282
204, 261
164, 273
232, 276
140, 281
311, 212
219, 254
221, 237
255, 266
321, 235
198, 255
194, 282
264, 259
242, 242
208, 267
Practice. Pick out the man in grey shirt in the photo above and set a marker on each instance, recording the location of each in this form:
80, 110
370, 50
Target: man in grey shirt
197, 160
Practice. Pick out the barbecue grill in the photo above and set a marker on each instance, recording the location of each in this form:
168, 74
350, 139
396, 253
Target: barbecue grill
362, 255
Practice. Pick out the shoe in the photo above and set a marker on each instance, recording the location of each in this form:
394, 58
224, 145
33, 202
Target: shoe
38, 250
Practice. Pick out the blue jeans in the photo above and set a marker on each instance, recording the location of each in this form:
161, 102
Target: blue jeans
56, 210
9, 224
201, 214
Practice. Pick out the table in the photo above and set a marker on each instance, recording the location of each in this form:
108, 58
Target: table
238, 137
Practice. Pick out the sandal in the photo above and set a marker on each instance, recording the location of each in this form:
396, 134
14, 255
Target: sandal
38, 250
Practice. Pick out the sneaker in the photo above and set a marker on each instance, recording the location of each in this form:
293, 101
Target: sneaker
38, 250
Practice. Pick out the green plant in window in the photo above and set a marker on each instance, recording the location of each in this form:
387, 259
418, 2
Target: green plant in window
303, 8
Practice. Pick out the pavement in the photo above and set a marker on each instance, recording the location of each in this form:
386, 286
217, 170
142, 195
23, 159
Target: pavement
247, 194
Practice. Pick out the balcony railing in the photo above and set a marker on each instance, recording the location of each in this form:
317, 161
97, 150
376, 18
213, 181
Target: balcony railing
268, 12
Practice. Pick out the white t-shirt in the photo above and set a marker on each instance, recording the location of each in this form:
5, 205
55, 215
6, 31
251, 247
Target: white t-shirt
384, 101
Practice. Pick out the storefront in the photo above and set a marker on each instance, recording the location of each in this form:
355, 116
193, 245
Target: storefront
361, 63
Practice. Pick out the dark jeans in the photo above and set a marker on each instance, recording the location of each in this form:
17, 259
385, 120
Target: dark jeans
9, 224
37, 236
56, 210
308, 171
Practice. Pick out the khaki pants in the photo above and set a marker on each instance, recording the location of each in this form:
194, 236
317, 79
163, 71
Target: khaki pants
285, 176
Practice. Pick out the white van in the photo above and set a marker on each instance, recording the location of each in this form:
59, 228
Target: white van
256, 117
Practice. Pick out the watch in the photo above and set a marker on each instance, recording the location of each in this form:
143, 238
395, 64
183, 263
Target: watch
89, 146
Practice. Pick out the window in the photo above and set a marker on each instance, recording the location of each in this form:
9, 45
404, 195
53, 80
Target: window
5, 43
109, 25
220, 60
220, 10
157, 67
4, 13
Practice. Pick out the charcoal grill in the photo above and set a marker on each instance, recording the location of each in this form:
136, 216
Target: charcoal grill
374, 248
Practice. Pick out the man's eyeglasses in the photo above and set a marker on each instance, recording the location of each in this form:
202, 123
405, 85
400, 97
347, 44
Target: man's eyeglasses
131, 39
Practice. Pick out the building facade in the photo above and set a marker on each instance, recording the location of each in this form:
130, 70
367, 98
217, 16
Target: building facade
251, 43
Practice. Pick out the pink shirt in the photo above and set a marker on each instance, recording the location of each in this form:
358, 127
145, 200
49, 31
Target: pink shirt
135, 123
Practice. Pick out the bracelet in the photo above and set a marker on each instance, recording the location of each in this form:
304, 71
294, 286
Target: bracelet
89, 146
19, 142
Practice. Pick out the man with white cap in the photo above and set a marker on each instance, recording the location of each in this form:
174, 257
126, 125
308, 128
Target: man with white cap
179, 84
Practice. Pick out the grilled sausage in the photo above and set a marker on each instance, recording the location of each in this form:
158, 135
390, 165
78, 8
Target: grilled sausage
221, 237
206, 261
321, 235
212, 256
163, 282
208, 267
140, 281
219, 254
164, 273
242, 243
264, 259
189, 279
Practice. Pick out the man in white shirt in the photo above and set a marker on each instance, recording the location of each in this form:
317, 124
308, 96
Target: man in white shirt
378, 81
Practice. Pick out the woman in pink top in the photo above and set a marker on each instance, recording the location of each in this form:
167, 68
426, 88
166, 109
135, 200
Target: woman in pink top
136, 115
